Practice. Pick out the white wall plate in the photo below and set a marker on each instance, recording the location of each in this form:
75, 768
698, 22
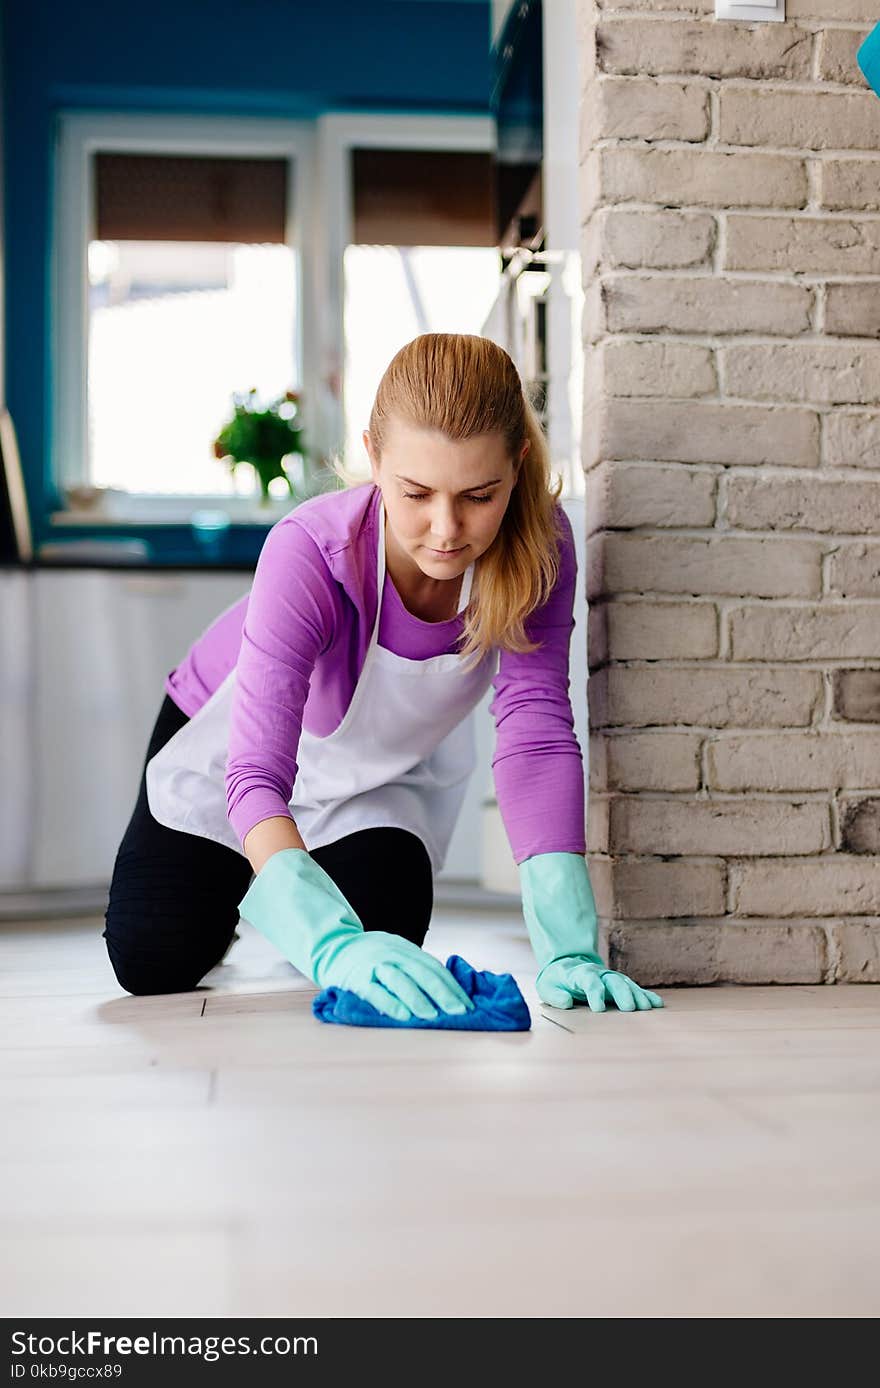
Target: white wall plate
748, 13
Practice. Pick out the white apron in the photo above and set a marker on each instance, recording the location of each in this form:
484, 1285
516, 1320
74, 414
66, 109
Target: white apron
401, 756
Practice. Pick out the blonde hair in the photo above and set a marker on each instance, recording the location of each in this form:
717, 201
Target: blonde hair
464, 386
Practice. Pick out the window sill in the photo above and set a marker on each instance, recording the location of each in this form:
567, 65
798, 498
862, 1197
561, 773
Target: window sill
140, 511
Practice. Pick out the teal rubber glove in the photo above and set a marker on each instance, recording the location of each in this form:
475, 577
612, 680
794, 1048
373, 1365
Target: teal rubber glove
298, 906
560, 916
869, 59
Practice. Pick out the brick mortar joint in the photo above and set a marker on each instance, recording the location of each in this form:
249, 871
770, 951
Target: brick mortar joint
837, 819
833, 956
773, 86
814, 186
627, 858
806, 87
753, 402
771, 406
711, 795
722, 490
717, 666
827, 721
719, 341
799, 215
757, 151
767, 472
835, 728
656, 599
809, 24
853, 341
726, 530
815, 54
607, 273
703, 81
719, 248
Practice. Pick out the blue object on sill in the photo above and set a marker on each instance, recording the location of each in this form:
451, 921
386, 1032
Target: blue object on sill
90, 551
498, 1005
869, 59
210, 529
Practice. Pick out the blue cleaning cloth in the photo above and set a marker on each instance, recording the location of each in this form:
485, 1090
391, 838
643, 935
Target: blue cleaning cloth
498, 1005
869, 59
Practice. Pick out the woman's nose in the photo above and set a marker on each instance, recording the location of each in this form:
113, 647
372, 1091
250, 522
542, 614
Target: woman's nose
445, 524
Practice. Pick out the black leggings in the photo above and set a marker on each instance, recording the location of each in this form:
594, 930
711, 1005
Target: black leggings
174, 896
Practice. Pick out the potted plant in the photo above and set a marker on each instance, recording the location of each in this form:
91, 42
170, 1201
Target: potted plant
263, 436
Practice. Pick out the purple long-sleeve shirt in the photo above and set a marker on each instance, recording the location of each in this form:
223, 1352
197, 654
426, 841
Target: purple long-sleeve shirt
299, 640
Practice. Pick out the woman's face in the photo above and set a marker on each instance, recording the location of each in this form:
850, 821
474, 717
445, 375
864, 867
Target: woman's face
443, 495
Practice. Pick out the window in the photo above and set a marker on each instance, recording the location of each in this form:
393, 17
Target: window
200, 256
178, 274
191, 299
422, 259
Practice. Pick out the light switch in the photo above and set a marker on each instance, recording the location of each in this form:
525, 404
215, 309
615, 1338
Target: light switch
751, 11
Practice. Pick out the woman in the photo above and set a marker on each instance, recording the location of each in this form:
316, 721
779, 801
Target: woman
319, 733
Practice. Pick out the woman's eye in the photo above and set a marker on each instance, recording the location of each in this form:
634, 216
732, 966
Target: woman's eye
421, 496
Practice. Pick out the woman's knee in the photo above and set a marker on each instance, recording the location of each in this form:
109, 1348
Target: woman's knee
170, 919
145, 976
147, 962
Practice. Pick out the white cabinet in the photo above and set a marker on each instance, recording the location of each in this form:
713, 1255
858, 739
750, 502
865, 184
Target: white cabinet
83, 659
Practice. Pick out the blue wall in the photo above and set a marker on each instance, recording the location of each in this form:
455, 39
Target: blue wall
298, 58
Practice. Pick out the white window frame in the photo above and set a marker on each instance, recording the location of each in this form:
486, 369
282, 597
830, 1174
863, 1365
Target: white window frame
565, 295
80, 136
338, 134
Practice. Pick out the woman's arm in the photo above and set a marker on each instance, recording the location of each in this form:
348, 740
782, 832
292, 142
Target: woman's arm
537, 765
271, 836
539, 776
291, 619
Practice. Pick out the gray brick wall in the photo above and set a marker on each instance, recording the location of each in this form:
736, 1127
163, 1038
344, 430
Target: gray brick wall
730, 198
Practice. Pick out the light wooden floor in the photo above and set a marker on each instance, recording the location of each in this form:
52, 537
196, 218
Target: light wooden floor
223, 1153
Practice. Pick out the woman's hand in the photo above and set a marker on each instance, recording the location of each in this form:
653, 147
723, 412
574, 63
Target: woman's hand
560, 915
299, 907
563, 982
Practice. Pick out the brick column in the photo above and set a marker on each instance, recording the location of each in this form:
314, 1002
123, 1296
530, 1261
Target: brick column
730, 193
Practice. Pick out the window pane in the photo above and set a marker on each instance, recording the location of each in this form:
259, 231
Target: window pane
169, 197
422, 197
175, 328
394, 293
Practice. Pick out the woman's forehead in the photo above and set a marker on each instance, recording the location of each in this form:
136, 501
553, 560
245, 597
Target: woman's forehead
400, 435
